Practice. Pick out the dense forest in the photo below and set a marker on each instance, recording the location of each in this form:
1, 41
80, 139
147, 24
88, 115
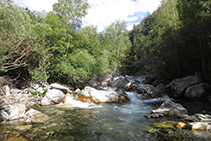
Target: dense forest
173, 41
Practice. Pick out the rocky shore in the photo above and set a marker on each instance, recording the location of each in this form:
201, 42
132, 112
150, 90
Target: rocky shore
18, 104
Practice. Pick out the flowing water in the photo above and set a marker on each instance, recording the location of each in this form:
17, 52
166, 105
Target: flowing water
104, 122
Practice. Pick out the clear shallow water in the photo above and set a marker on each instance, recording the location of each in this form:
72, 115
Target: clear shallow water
104, 122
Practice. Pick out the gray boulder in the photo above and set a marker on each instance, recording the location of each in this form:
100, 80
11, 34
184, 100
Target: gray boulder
196, 91
119, 82
149, 91
14, 112
56, 96
178, 86
89, 94
60, 87
168, 108
45, 101
150, 77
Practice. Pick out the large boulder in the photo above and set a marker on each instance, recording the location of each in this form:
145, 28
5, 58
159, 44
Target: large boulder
60, 87
178, 86
168, 108
119, 82
13, 112
150, 77
197, 91
55, 95
89, 94
45, 101
149, 91
20, 98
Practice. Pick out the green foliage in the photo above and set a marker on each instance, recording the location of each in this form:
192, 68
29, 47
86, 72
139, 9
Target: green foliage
14, 20
78, 66
174, 41
116, 40
38, 93
53, 47
71, 12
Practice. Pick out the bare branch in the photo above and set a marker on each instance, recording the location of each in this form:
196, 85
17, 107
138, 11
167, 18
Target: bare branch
17, 52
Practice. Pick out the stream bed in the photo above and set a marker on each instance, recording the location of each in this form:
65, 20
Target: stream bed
99, 122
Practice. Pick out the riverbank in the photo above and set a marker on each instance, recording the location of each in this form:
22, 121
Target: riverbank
143, 98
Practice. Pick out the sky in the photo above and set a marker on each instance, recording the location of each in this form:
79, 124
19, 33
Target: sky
104, 12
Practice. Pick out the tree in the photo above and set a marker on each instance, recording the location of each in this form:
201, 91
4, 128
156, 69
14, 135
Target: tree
15, 44
40, 59
118, 42
71, 12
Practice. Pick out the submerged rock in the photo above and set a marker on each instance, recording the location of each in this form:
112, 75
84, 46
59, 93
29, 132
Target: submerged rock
168, 108
89, 94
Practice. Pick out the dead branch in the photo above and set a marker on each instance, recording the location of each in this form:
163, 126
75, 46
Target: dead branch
17, 52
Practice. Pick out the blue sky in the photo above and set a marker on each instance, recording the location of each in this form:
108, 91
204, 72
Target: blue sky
103, 12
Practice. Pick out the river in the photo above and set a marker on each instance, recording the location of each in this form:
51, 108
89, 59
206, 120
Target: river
99, 122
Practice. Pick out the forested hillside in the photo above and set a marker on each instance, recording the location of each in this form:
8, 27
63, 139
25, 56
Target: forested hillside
174, 41
41, 47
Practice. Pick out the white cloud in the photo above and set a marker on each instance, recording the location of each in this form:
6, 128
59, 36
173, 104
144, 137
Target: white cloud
38, 5
130, 26
103, 12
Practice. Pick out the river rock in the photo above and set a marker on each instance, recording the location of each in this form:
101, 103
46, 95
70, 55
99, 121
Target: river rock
6, 90
55, 95
199, 125
178, 86
197, 91
77, 91
45, 101
60, 87
4, 116
12, 111
148, 91
31, 113
119, 82
89, 94
198, 121
181, 125
22, 109
168, 108
150, 78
